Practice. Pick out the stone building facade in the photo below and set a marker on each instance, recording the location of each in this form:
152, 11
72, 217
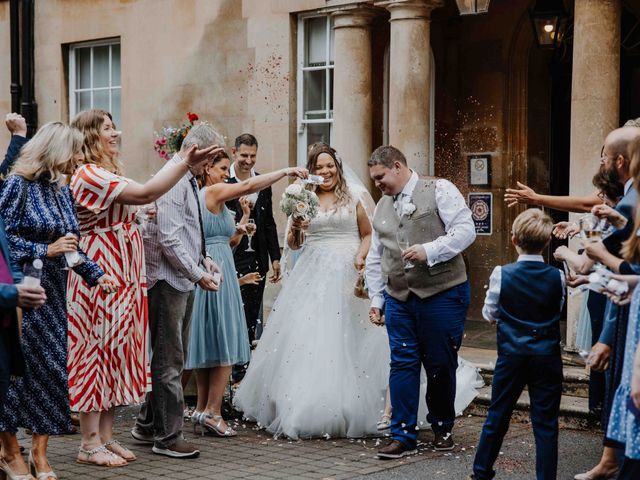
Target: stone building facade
453, 92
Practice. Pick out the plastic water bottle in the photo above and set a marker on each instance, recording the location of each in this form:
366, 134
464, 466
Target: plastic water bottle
33, 273
72, 258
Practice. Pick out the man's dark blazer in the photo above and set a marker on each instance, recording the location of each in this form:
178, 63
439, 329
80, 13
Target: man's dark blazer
15, 145
265, 240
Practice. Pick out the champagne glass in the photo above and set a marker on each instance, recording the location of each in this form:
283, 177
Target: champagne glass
251, 230
591, 227
404, 245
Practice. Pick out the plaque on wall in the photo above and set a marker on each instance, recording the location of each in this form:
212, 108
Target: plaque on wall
481, 205
480, 170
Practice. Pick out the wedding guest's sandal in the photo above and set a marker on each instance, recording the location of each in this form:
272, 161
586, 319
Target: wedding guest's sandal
215, 429
7, 473
124, 452
100, 449
195, 420
384, 423
39, 475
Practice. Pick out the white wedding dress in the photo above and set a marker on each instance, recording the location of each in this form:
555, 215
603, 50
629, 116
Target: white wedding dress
320, 368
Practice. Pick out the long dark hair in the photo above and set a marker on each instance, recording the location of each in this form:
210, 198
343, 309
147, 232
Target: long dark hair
343, 195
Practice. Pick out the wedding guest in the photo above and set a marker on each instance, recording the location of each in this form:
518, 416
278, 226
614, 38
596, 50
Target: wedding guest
37, 208
176, 260
525, 299
425, 305
264, 243
624, 424
13, 294
108, 351
218, 338
17, 126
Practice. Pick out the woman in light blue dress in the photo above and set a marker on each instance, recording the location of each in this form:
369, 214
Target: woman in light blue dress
218, 337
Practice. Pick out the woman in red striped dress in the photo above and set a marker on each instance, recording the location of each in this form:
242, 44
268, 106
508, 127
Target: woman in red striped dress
108, 355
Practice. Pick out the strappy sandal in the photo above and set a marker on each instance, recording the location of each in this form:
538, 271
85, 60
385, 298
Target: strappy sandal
7, 473
215, 429
113, 441
99, 449
39, 475
384, 423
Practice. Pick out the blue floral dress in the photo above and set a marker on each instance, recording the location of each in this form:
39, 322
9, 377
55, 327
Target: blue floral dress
624, 427
37, 213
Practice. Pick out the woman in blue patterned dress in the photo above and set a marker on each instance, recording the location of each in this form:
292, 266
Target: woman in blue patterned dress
37, 209
218, 336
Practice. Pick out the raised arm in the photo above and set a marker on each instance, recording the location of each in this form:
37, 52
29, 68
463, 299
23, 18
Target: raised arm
528, 196
139, 194
223, 192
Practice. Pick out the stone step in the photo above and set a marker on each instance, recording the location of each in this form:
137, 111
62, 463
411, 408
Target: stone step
574, 411
575, 384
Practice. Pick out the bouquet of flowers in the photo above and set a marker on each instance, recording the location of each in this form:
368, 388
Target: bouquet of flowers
297, 202
169, 140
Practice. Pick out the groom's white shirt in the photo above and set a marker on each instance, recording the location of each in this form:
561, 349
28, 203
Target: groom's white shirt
458, 225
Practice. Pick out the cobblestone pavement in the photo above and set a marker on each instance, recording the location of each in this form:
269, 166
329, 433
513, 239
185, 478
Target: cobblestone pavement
254, 454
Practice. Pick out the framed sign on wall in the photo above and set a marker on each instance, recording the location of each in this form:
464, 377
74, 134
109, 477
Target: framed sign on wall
480, 170
481, 206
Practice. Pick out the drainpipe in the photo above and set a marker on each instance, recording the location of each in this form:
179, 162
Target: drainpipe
14, 22
29, 106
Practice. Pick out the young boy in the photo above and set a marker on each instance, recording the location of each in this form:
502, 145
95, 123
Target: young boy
525, 300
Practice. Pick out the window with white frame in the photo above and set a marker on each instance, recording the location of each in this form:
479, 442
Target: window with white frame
315, 82
94, 77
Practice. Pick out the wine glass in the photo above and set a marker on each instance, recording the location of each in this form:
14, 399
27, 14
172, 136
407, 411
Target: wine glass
591, 227
404, 245
251, 230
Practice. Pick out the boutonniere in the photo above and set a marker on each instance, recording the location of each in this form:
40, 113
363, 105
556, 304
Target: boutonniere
408, 208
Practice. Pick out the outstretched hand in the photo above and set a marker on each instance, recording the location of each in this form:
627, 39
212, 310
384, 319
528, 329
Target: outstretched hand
194, 156
523, 194
564, 230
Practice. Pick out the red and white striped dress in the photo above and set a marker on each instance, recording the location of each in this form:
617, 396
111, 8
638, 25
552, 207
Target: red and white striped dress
108, 355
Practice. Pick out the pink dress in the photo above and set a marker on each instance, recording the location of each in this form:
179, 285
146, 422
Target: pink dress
108, 355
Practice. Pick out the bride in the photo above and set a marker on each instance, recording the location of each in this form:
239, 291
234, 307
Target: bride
321, 369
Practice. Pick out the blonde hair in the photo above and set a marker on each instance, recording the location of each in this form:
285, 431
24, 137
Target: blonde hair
532, 229
48, 153
631, 248
89, 122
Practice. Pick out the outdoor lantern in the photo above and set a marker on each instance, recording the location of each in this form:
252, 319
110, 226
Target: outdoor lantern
471, 7
549, 19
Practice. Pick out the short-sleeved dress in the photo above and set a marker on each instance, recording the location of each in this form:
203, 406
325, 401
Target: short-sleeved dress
218, 335
36, 214
108, 354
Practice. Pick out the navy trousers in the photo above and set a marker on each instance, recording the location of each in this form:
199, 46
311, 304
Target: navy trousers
425, 332
543, 376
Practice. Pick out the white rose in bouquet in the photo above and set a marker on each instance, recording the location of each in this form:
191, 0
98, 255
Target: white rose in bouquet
293, 190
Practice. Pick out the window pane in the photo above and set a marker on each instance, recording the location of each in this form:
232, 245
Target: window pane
83, 68
316, 41
318, 132
101, 99
115, 108
101, 66
332, 47
315, 90
115, 65
83, 101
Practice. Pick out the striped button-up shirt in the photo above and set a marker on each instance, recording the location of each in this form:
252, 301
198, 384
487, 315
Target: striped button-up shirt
173, 242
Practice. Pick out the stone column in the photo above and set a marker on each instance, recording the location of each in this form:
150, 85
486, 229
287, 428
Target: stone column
352, 103
595, 97
409, 78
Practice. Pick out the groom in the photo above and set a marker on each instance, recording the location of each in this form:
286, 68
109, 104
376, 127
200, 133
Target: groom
424, 292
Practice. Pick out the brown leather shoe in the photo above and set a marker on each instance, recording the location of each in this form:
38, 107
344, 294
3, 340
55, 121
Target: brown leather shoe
395, 449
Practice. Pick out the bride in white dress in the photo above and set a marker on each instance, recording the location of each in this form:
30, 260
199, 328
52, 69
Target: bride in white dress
320, 368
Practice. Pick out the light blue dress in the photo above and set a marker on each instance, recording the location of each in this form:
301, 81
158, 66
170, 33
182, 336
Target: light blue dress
623, 426
218, 334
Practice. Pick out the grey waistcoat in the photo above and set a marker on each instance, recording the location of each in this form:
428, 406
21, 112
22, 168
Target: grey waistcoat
422, 226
